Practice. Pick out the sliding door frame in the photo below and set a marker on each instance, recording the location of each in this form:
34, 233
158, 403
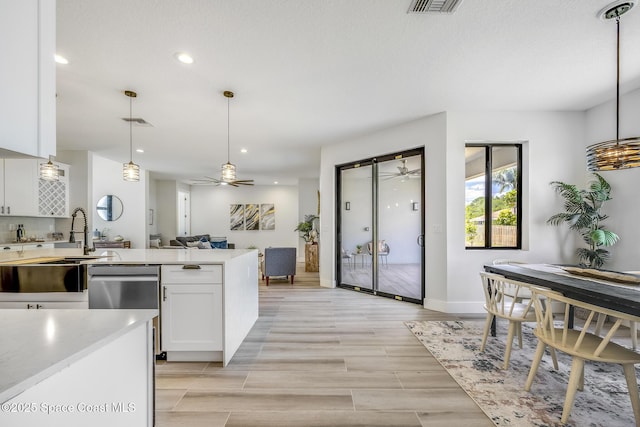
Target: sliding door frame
373, 162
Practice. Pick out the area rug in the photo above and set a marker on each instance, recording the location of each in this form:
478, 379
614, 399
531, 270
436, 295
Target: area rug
500, 393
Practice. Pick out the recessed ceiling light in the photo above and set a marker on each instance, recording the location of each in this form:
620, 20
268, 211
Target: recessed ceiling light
243, 150
61, 59
275, 182
185, 58
139, 150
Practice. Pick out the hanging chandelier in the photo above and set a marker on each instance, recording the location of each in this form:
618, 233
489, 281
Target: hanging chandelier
617, 153
130, 171
228, 170
49, 171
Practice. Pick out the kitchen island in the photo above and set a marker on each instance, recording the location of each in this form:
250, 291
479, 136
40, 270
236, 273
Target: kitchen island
76, 367
208, 298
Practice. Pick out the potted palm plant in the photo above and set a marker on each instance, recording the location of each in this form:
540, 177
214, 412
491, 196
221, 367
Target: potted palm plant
583, 214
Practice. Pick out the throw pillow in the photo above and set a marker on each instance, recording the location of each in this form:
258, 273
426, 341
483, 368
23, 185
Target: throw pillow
217, 243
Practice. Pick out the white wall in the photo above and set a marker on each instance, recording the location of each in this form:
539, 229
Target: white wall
307, 204
210, 214
624, 208
80, 185
132, 225
428, 132
166, 212
553, 151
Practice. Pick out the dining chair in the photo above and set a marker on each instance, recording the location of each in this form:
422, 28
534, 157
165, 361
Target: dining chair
503, 300
582, 345
383, 251
346, 256
524, 294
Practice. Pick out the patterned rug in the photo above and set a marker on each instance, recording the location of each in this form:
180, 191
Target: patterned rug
500, 393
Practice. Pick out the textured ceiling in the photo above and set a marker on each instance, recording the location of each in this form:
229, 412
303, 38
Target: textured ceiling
312, 72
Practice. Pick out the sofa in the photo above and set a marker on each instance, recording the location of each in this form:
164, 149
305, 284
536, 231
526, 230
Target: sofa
201, 241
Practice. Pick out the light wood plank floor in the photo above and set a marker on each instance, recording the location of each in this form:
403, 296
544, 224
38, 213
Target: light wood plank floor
319, 357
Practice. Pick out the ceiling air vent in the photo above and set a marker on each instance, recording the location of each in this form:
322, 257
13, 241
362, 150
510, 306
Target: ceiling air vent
433, 6
137, 120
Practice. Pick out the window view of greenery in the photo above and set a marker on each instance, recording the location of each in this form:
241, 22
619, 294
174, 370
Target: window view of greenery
501, 218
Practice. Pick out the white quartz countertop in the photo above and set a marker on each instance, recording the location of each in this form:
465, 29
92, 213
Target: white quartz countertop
137, 256
34, 344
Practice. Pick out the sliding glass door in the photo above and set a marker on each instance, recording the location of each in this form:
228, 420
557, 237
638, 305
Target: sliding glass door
380, 227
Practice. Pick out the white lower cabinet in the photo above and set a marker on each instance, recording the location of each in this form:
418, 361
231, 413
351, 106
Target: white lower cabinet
192, 317
37, 305
191, 312
27, 247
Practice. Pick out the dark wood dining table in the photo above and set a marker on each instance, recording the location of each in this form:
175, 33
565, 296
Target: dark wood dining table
619, 297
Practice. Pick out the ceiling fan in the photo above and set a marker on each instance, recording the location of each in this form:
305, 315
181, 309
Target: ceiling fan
228, 170
403, 172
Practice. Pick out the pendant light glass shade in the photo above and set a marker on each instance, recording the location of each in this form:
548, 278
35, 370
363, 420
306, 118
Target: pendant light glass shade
49, 171
130, 171
613, 155
617, 153
228, 172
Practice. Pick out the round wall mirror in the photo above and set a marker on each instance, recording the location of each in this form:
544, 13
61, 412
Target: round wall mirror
109, 207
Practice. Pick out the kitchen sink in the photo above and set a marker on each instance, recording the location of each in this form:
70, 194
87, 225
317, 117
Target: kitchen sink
53, 276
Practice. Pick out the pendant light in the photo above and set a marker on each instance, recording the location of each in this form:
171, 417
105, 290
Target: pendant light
130, 171
228, 170
49, 171
617, 153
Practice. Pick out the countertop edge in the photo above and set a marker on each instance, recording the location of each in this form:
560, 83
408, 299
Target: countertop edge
15, 390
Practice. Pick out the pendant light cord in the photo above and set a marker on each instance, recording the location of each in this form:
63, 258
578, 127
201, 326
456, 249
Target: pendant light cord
130, 129
618, 81
228, 127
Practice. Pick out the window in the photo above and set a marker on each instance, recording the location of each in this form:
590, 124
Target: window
493, 189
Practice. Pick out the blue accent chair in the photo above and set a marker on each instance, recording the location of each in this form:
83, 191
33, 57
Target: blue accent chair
279, 262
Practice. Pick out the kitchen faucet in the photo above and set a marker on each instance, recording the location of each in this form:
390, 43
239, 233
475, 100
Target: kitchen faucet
85, 249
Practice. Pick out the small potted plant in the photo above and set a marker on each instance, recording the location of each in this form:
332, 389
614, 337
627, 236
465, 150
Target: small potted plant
358, 249
307, 229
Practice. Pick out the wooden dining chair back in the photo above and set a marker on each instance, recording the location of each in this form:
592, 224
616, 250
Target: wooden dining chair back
504, 300
581, 344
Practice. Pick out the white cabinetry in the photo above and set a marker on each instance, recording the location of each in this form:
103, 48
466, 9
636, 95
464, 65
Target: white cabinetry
44, 300
19, 187
39, 305
23, 193
27, 246
191, 312
28, 77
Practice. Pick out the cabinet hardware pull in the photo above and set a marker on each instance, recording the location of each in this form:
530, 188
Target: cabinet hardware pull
8, 210
38, 306
3, 209
29, 306
164, 293
191, 267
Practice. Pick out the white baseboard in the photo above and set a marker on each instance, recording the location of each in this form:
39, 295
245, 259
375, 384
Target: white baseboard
466, 307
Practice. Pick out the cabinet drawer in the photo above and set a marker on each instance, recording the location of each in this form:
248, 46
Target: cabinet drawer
191, 273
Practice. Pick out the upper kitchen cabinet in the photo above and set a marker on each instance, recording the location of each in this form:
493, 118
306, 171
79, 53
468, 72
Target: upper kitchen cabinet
20, 186
27, 78
23, 193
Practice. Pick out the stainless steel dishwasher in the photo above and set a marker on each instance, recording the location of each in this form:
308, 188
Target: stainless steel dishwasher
123, 286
